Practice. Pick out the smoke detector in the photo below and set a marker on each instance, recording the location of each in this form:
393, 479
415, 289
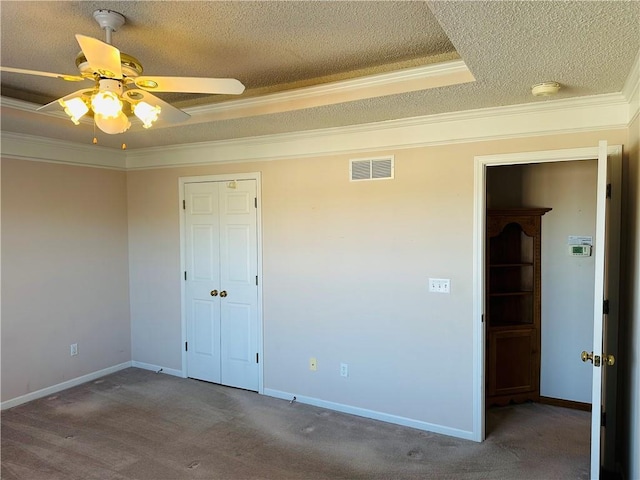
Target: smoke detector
545, 89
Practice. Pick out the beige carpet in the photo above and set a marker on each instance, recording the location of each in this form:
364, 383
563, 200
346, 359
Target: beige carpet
136, 424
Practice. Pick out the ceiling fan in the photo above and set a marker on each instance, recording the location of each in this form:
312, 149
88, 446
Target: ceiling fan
120, 91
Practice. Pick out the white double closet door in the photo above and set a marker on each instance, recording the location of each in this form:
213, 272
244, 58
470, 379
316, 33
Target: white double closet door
221, 293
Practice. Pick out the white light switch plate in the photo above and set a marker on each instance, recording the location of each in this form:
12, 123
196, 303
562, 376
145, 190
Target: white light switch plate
439, 285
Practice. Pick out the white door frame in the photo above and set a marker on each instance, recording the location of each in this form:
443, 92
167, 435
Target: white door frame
481, 163
222, 178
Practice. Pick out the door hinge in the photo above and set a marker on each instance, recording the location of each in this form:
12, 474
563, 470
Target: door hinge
603, 419
257, 358
605, 307
185, 274
255, 202
184, 205
482, 318
256, 279
186, 346
608, 190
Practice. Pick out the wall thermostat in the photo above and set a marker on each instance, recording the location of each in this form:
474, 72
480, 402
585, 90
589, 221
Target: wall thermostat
580, 250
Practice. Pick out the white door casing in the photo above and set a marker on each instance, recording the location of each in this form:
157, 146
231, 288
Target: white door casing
602, 152
221, 296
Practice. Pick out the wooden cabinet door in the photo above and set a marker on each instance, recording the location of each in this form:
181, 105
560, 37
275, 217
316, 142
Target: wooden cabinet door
513, 362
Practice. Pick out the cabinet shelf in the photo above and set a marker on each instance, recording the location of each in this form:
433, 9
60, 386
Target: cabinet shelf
512, 307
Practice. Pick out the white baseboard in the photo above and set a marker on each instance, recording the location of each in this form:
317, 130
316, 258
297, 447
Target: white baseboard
14, 402
158, 369
338, 407
363, 412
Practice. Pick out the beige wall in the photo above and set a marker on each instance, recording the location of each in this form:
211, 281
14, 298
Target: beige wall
345, 275
64, 273
345, 270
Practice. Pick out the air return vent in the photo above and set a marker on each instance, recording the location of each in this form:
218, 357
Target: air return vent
371, 169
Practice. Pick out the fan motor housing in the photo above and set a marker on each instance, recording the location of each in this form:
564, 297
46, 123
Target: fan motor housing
131, 66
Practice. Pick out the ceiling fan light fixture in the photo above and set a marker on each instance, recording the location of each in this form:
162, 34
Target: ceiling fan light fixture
112, 125
113, 100
106, 104
146, 113
75, 107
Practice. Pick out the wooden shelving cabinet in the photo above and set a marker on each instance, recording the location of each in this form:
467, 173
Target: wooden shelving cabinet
512, 304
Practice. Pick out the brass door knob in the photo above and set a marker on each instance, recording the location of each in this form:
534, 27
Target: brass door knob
609, 359
223, 293
214, 293
595, 359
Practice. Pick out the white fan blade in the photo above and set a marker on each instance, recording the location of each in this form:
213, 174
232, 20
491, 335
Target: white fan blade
104, 59
168, 113
226, 86
62, 76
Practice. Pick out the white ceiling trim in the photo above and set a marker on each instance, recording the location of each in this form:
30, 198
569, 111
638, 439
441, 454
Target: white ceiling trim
401, 81
631, 89
29, 147
599, 112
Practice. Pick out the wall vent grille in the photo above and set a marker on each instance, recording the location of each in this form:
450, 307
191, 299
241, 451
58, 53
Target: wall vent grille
371, 169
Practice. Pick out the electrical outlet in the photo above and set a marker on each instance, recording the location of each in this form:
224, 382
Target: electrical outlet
344, 370
73, 349
439, 285
313, 364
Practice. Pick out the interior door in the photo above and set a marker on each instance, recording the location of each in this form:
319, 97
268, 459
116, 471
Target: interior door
202, 278
602, 356
238, 281
221, 282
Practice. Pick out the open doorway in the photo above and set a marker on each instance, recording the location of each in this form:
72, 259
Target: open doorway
604, 307
539, 304
563, 298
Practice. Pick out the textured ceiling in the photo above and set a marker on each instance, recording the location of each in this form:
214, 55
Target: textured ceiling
589, 47
263, 44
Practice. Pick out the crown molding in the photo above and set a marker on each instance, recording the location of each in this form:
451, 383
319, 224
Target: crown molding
600, 112
21, 105
547, 117
631, 89
405, 80
30, 147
